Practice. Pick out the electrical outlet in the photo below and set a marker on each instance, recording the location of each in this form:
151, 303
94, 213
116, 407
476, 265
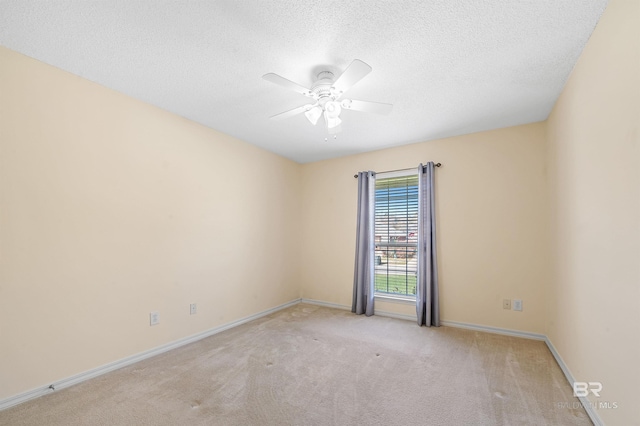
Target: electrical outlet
517, 304
193, 309
506, 304
154, 318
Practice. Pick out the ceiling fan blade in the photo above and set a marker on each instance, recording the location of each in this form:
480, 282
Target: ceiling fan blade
353, 74
292, 112
375, 107
287, 84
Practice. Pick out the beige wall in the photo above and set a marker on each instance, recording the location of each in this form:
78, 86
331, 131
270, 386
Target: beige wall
491, 206
594, 177
111, 209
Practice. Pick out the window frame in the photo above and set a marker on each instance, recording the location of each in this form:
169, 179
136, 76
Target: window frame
393, 297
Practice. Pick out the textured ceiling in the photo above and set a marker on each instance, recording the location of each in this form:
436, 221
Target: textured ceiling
448, 67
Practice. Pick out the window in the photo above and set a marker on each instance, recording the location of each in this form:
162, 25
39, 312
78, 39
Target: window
396, 235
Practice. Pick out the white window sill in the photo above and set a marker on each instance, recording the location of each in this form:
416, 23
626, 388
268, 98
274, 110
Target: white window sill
395, 298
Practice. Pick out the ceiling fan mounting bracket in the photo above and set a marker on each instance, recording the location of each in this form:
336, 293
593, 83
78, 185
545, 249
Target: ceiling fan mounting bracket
325, 75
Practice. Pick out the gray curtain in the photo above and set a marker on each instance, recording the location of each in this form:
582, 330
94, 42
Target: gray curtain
364, 268
427, 303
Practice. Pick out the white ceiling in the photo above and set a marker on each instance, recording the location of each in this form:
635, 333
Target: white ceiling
449, 67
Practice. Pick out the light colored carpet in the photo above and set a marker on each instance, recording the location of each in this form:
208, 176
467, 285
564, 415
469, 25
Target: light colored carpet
309, 365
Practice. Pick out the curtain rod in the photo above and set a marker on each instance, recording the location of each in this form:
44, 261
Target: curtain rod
400, 170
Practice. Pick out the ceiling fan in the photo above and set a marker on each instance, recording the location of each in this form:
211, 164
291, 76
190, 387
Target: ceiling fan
326, 92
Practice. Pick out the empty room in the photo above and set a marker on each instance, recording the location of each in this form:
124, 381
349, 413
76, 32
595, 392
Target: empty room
320, 213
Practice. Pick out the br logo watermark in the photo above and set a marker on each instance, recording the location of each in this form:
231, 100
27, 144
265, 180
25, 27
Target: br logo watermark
583, 388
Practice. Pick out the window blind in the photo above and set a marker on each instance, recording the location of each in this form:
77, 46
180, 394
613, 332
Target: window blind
396, 234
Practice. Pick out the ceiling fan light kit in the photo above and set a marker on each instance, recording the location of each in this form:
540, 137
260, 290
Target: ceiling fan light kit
313, 114
327, 92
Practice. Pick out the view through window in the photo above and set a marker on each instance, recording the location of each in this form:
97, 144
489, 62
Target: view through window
396, 235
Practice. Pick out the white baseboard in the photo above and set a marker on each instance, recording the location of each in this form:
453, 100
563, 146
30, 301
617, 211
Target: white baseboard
396, 315
81, 377
325, 304
586, 404
494, 330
